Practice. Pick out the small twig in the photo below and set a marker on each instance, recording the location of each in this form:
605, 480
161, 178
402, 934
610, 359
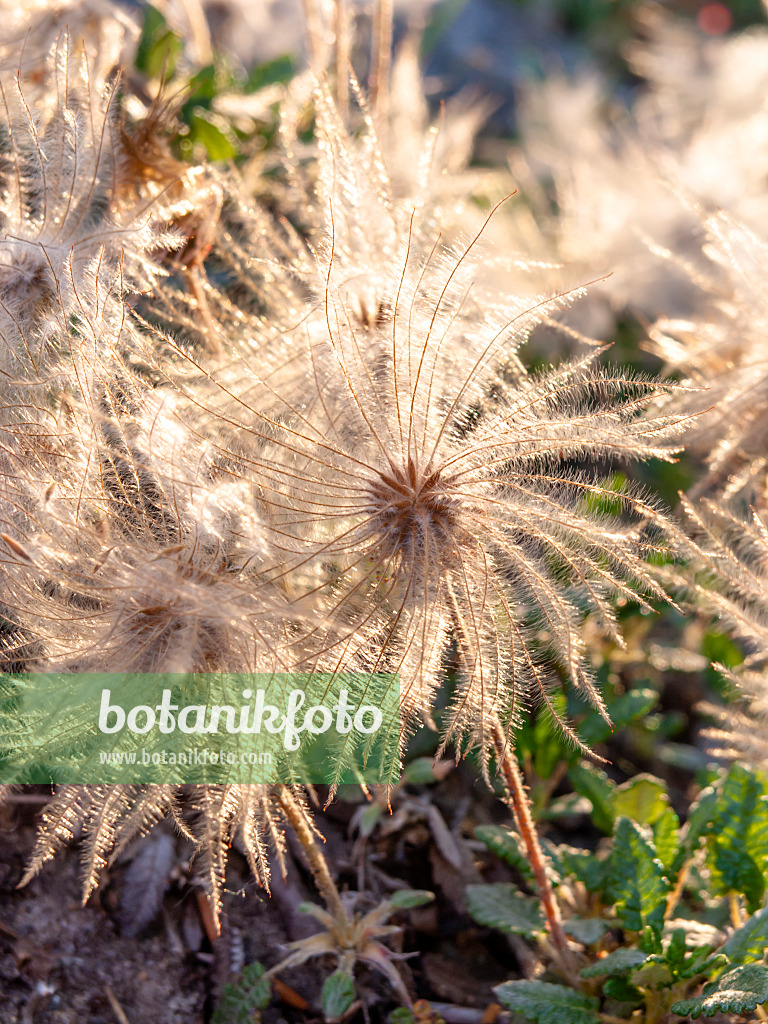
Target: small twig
287, 995
737, 918
117, 1009
674, 896
9, 931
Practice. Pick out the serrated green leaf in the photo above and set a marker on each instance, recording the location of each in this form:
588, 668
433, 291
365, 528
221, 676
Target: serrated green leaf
402, 1015
502, 906
251, 991
621, 962
689, 963
338, 994
655, 973
406, 899
586, 930
748, 944
708, 967
738, 991
595, 785
620, 990
643, 800
666, 840
676, 948
504, 844
700, 817
638, 886
585, 867
555, 863
737, 846
548, 1004
650, 941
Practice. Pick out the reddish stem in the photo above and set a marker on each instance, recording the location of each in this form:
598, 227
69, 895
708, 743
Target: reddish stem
521, 809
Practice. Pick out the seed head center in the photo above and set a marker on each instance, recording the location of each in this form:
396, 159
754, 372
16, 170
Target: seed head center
408, 499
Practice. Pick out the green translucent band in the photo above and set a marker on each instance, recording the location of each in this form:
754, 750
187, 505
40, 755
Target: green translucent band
200, 728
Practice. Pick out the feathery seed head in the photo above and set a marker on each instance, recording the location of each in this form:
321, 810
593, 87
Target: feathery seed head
727, 576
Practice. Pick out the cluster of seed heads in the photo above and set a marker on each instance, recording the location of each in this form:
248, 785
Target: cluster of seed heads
237, 442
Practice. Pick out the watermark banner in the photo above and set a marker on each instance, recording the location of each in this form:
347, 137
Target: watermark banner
200, 728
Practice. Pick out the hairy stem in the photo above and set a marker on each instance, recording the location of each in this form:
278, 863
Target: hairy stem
521, 809
317, 863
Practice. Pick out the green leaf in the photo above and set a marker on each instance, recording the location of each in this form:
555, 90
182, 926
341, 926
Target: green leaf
700, 817
585, 867
536, 738
621, 991
338, 995
549, 748
251, 991
502, 906
505, 845
720, 648
369, 817
748, 944
586, 930
738, 991
203, 85
698, 963
666, 839
548, 1004
643, 800
281, 69
595, 785
402, 1015
215, 137
555, 863
637, 883
655, 973
675, 951
419, 772
158, 48
737, 846
405, 899
624, 710
622, 962
650, 941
